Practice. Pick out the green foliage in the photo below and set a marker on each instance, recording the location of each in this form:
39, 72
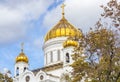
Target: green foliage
5, 77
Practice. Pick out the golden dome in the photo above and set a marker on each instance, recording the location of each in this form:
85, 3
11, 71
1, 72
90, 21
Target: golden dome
63, 28
22, 57
70, 42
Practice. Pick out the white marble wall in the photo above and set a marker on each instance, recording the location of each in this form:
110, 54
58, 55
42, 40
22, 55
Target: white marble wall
21, 66
35, 78
52, 47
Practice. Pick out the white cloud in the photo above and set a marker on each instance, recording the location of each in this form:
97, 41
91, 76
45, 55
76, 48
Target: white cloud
15, 16
81, 13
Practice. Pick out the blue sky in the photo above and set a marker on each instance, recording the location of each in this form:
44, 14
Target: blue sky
29, 20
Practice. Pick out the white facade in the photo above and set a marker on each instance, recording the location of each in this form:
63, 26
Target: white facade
55, 63
20, 67
53, 50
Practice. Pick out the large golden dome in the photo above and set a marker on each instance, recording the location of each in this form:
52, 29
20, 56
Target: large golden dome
63, 28
22, 57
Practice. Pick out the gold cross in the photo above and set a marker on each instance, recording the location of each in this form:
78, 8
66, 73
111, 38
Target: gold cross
63, 6
22, 45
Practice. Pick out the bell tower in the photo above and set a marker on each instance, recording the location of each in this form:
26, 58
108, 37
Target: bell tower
21, 64
68, 51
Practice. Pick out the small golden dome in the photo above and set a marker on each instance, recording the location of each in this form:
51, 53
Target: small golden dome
63, 28
22, 57
69, 42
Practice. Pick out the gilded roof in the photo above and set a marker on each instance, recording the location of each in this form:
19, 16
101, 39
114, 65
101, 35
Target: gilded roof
62, 28
70, 42
21, 58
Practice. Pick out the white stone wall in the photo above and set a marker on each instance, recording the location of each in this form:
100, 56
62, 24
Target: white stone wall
52, 47
70, 51
56, 72
21, 66
35, 78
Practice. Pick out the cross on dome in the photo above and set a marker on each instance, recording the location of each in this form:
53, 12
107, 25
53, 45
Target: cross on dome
63, 8
62, 29
22, 46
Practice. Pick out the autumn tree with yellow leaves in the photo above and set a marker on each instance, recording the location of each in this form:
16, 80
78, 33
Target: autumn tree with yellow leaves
97, 58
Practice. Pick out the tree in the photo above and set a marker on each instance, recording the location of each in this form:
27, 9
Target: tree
112, 11
97, 58
5, 78
65, 78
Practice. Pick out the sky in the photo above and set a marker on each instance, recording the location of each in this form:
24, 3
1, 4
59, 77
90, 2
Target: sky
28, 21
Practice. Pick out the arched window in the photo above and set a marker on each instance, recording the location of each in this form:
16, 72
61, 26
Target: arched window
58, 55
17, 71
27, 78
41, 77
46, 59
51, 54
25, 68
67, 58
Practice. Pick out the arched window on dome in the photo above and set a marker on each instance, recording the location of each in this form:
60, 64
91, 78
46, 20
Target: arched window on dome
27, 78
67, 58
17, 71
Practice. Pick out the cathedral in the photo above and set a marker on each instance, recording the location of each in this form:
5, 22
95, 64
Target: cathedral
58, 48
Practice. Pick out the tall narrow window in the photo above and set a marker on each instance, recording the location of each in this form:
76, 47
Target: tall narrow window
17, 71
51, 56
58, 55
67, 58
25, 68
46, 58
